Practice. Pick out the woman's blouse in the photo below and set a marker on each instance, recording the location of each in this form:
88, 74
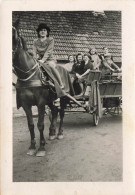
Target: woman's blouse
78, 67
69, 67
96, 61
44, 49
87, 66
107, 56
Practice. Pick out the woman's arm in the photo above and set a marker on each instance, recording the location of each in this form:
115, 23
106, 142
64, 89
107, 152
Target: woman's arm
86, 72
115, 66
106, 65
49, 50
101, 57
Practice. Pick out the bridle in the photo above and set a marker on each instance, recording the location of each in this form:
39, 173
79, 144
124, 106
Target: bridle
19, 43
16, 48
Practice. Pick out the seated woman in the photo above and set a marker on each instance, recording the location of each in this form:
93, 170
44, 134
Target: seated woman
95, 58
69, 66
88, 66
78, 69
43, 50
108, 64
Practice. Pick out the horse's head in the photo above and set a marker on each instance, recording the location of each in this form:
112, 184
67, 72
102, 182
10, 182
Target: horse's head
15, 33
22, 61
15, 36
15, 39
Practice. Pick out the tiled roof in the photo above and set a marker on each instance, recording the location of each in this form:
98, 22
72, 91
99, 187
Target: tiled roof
74, 31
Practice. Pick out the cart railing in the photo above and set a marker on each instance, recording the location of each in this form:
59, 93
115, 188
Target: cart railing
110, 89
96, 75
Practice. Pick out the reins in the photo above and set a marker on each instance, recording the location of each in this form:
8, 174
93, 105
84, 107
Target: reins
15, 50
29, 77
25, 71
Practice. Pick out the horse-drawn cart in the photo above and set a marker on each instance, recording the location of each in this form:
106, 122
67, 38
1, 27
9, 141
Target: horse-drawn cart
105, 96
32, 92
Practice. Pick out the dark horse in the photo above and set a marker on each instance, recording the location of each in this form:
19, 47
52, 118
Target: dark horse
30, 92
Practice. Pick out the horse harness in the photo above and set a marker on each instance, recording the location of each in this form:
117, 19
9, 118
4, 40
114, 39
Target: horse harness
43, 78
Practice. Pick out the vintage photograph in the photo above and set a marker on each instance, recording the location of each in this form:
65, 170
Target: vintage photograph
67, 96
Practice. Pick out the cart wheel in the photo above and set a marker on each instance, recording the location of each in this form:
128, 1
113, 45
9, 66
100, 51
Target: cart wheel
116, 110
95, 119
95, 103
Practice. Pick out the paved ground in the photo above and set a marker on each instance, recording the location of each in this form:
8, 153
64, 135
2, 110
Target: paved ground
86, 153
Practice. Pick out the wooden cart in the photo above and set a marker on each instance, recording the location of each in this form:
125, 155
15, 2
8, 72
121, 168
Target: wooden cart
105, 96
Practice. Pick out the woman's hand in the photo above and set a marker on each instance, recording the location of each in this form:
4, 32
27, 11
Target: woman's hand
96, 68
102, 57
41, 61
77, 75
119, 69
112, 70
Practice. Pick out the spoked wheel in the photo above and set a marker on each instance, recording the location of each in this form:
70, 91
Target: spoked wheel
115, 110
95, 119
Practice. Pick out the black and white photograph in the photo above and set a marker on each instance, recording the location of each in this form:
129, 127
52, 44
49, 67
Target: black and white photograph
67, 69
67, 97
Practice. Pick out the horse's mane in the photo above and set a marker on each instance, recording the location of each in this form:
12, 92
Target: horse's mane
24, 44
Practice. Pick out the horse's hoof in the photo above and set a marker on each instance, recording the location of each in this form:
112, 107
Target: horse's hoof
52, 137
60, 136
40, 153
31, 152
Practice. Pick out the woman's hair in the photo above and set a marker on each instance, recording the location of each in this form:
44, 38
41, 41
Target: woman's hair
72, 56
92, 49
88, 55
43, 26
105, 47
79, 54
48, 32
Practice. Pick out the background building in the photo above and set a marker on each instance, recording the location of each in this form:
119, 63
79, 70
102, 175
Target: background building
74, 31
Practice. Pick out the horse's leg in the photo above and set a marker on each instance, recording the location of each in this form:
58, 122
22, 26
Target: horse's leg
63, 104
40, 125
28, 111
53, 120
60, 132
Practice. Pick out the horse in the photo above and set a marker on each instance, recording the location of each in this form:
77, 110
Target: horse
30, 92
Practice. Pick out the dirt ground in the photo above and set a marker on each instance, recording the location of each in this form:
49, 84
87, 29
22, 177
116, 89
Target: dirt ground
86, 153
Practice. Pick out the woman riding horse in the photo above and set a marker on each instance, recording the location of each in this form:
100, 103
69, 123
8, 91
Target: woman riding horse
43, 50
